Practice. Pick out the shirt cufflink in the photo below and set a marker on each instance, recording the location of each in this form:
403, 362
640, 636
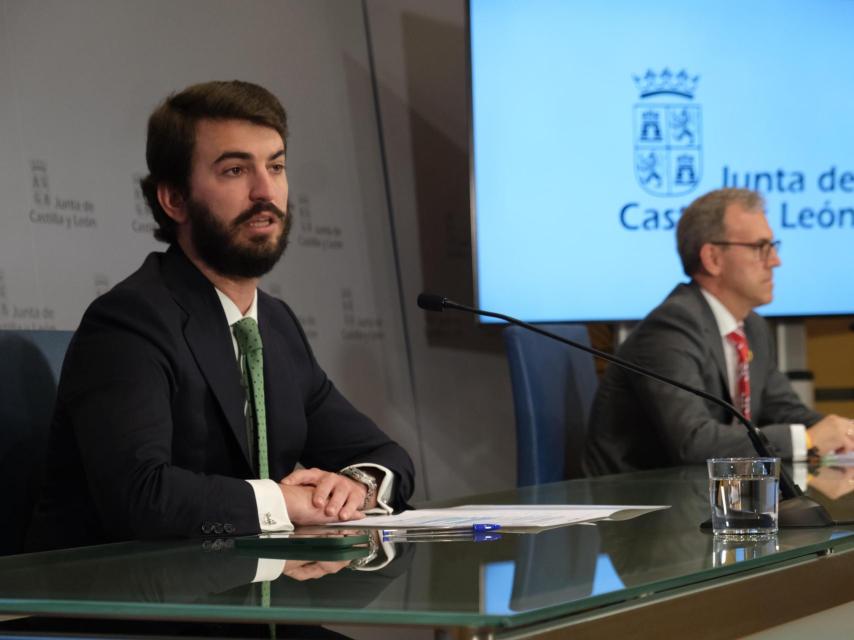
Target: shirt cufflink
272, 510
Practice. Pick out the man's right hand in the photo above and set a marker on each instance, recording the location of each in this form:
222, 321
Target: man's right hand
301, 509
833, 434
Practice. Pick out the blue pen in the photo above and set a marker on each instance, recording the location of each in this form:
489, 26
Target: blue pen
450, 537
478, 527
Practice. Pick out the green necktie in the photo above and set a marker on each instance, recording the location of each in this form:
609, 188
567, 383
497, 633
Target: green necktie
249, 344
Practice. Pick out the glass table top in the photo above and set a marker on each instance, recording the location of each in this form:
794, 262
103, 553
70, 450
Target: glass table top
513, 580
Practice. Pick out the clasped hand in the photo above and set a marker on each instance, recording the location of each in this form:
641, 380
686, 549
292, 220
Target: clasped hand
314, 496
833, 434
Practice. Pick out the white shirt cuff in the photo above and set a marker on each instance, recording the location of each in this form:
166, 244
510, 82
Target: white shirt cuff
800, 476
384, 490
799, 442
272, 510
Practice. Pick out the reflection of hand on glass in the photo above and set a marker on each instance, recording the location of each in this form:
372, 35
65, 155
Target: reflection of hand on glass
833, 482
310, 570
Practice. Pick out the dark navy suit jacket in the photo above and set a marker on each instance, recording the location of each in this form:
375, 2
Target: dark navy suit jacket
148, 438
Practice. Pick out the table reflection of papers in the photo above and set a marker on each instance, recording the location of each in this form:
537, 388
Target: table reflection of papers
520, 518
839, 459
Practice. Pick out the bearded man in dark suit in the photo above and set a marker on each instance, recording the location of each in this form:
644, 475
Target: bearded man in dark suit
728, 250
157, 431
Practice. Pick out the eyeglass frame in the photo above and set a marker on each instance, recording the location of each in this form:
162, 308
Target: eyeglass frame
762, 248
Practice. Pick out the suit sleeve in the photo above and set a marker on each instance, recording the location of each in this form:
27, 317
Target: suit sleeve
689, 427
121, 386
780, 404
339, 435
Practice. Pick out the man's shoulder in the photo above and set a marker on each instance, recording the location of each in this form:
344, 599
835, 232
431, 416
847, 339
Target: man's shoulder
143, 284
141, 302
681, 321
685, 297
684, 305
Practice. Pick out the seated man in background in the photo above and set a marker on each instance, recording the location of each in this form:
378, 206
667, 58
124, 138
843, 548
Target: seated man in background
188, 395
706, 335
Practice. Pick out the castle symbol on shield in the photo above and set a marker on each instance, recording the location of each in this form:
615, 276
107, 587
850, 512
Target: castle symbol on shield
667, 133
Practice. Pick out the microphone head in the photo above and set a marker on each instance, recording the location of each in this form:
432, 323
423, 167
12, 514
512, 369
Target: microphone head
431, 302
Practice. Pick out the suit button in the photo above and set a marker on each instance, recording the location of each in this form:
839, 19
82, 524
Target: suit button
207, 528
218, 529
228, 527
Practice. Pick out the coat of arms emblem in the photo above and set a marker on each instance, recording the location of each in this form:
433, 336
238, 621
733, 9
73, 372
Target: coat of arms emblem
667, 133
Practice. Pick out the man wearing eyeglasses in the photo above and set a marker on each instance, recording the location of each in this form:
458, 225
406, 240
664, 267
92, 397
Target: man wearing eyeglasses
707, 335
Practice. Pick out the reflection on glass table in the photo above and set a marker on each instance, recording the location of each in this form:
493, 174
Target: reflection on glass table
507, 583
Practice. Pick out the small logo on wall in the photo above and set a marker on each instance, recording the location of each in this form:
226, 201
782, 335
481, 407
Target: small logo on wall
667, 133
41, 188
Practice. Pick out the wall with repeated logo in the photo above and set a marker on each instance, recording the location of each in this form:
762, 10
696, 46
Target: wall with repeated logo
79, 80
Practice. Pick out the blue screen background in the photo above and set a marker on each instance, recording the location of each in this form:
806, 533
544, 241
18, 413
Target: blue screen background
555, 110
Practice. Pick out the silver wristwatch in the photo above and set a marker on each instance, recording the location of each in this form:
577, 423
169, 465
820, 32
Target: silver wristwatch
366, 479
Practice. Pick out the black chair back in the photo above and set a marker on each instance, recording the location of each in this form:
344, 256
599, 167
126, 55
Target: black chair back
30, 362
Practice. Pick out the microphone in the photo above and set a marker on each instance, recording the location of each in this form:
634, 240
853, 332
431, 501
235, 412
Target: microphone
796, 509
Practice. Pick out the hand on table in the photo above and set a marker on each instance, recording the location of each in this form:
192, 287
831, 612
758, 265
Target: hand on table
833, 434
333, 497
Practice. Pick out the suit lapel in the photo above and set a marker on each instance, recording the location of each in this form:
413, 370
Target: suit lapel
712, 337
207, 334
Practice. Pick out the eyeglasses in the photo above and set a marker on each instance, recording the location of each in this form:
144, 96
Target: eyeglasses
761, 250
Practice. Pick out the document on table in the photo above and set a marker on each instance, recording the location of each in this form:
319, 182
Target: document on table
509, 517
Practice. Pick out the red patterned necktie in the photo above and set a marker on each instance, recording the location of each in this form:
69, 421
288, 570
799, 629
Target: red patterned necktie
739, 341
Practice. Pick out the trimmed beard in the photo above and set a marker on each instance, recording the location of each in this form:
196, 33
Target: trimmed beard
217, 247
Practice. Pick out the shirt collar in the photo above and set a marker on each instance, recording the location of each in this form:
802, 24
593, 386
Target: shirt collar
232, 313
725, 320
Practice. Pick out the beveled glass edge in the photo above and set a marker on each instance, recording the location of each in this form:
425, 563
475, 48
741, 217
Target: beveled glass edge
233, 613
662, 587
145, 611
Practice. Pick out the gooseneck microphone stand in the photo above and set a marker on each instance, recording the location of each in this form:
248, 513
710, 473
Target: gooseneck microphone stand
796, 509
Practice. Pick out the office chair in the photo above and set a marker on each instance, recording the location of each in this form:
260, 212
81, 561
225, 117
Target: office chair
553, 389
30, 362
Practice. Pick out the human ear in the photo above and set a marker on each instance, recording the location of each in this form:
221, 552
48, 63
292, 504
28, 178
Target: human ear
711, 258
173, 202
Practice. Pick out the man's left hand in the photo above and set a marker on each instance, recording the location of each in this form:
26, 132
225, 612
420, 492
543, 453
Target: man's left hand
338, 496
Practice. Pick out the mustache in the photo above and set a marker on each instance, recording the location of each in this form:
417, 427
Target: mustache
255, 209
